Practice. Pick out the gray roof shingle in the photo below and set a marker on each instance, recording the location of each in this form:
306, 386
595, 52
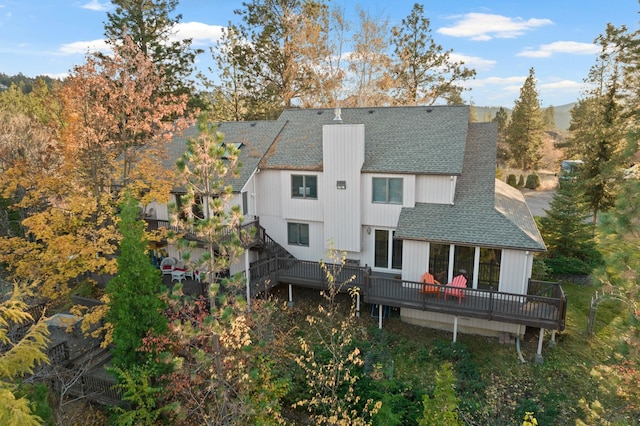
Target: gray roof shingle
486, 212
413, 140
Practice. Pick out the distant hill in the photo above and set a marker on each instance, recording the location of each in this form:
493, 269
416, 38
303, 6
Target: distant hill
562, 114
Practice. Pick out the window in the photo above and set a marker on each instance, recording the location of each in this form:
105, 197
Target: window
489, 268
304, 186
439, 261
245, 203
388, 250
387, 190
298, 234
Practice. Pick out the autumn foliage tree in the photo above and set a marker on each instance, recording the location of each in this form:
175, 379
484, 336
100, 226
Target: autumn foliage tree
114, 132
19, 358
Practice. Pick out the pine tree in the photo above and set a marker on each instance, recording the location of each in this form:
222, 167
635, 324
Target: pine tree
598, 124
135, 306
569, 240
150, 24
423, 71
502, 118
525, 133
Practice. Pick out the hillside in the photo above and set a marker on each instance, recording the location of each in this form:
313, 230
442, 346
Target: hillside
562, 114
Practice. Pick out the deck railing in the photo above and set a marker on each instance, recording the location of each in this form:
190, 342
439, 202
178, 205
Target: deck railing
546, 307
225, 234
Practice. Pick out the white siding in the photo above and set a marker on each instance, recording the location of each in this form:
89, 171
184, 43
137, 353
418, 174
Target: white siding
415, 259
515, 271
385, 215
434, 189
343, 156
304, 209
268, 197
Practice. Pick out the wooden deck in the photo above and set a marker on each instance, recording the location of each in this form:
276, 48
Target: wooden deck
544, 306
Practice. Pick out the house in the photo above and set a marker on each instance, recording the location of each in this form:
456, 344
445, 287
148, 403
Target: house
403, 191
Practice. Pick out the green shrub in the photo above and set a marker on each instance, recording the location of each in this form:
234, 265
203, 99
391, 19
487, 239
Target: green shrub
533, 181
499, 173
511, 180
521, 181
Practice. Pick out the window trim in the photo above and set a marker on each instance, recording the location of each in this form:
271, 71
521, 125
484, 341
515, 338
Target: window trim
295, 190
299, 242
387, 194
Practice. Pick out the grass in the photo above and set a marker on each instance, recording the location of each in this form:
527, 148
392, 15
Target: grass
583, 378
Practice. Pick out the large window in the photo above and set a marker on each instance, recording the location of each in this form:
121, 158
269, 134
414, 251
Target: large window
304, 186
489, 268
388, 250
298, 234
387, 190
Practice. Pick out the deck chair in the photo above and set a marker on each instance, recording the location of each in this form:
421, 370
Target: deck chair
454, 288
433, 288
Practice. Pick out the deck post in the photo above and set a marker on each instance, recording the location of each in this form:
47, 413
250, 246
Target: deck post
538, 358
247, 274
380, 312
455, 329
552, 343
358, 305
290, 302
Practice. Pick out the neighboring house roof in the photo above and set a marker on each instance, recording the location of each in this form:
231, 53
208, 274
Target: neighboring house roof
255, 136
486, 212
411, 140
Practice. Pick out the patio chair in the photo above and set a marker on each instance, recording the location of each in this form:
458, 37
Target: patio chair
167, 264
433, 288
454, 288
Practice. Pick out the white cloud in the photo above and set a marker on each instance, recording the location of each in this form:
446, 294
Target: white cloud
475, 62
84, 47
96, 5
564, 85
570, 47
201, 34
484, 26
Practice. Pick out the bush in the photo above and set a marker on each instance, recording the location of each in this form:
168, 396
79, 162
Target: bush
521, 181
511, 180
569, 265
533, 181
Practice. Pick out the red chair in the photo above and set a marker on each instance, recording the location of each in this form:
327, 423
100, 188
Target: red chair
432, 286
454, 288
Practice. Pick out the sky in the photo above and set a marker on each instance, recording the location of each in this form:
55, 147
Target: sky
501, 39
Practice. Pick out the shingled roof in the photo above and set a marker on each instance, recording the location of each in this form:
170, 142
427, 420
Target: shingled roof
255, 136
486, 212
412, 140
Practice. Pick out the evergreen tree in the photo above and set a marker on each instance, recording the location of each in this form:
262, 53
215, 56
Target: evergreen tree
423, 71
502, 118
549, 118
569, 240
525, 133
150, 24
135, 306
619, 238
598, 126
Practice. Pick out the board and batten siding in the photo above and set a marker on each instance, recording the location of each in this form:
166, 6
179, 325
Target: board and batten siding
385, 215
415, 259
342, 159
436, 189
515, 271
302, 209
268, 193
